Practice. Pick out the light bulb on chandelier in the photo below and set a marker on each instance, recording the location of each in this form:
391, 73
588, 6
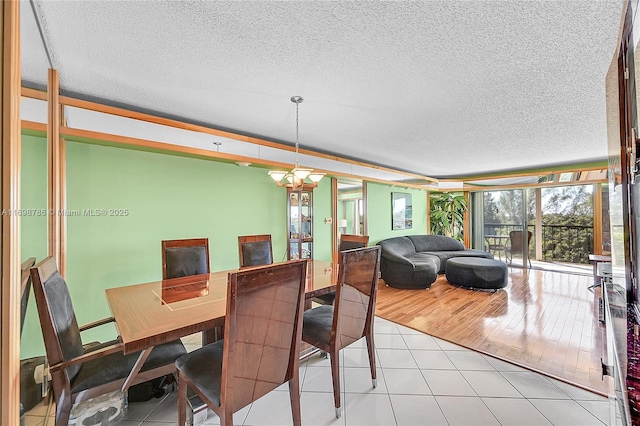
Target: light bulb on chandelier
296, 177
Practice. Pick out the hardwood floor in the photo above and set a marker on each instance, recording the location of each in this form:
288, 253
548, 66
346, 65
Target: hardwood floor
545, 321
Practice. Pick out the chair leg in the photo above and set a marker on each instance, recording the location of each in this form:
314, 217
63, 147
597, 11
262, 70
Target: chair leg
226, 419
372, 358
63, 411
335, 375
294, 395
182, 400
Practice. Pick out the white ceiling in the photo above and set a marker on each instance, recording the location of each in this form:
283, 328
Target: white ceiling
438, 88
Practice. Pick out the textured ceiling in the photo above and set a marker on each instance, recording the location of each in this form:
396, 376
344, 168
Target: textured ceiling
439, 88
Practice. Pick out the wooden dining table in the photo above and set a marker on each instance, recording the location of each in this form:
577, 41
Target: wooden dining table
158, 312
153, 313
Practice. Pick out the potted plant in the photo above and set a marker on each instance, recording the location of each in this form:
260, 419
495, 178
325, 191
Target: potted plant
447, 214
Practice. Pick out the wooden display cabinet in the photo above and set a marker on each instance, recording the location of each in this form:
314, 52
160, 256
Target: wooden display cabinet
300, 223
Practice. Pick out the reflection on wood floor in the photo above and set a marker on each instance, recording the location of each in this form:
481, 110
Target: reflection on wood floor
546, 321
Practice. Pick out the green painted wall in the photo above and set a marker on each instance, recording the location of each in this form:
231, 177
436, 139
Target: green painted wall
158, 197
379, 212
33, 229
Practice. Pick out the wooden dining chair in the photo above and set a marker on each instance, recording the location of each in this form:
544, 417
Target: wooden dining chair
78, 374
255, 250
333, 327
347, 242
181, 258
261, 348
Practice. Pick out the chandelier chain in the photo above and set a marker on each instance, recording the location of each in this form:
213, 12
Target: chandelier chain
297, 132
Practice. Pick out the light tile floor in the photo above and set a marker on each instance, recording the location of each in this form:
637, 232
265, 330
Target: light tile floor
422, 380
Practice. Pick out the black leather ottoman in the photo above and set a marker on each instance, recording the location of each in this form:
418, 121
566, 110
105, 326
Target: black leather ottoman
472, 272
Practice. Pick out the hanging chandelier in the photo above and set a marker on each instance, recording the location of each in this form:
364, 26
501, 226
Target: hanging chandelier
296, 177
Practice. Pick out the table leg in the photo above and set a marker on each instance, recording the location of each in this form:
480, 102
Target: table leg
136, 368
213, 334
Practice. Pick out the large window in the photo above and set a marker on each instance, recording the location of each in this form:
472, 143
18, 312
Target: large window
559, 221
566, 224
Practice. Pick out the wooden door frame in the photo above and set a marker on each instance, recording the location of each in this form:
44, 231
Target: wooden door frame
10, 223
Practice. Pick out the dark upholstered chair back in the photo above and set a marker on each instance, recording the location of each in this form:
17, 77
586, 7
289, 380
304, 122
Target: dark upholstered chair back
349, 242
263, 329
255, 250
57, 317
354, 307
181, 258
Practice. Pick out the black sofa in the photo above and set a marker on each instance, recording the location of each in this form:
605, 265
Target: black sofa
415, 261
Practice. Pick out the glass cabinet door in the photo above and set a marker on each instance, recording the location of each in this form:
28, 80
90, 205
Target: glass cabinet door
300, 224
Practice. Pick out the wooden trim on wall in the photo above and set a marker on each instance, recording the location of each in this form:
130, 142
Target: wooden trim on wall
33, 94
566, 168
53, 165
62, 199
121, 112
10, 223
474, 188
149, 118
34, 127
88, 136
